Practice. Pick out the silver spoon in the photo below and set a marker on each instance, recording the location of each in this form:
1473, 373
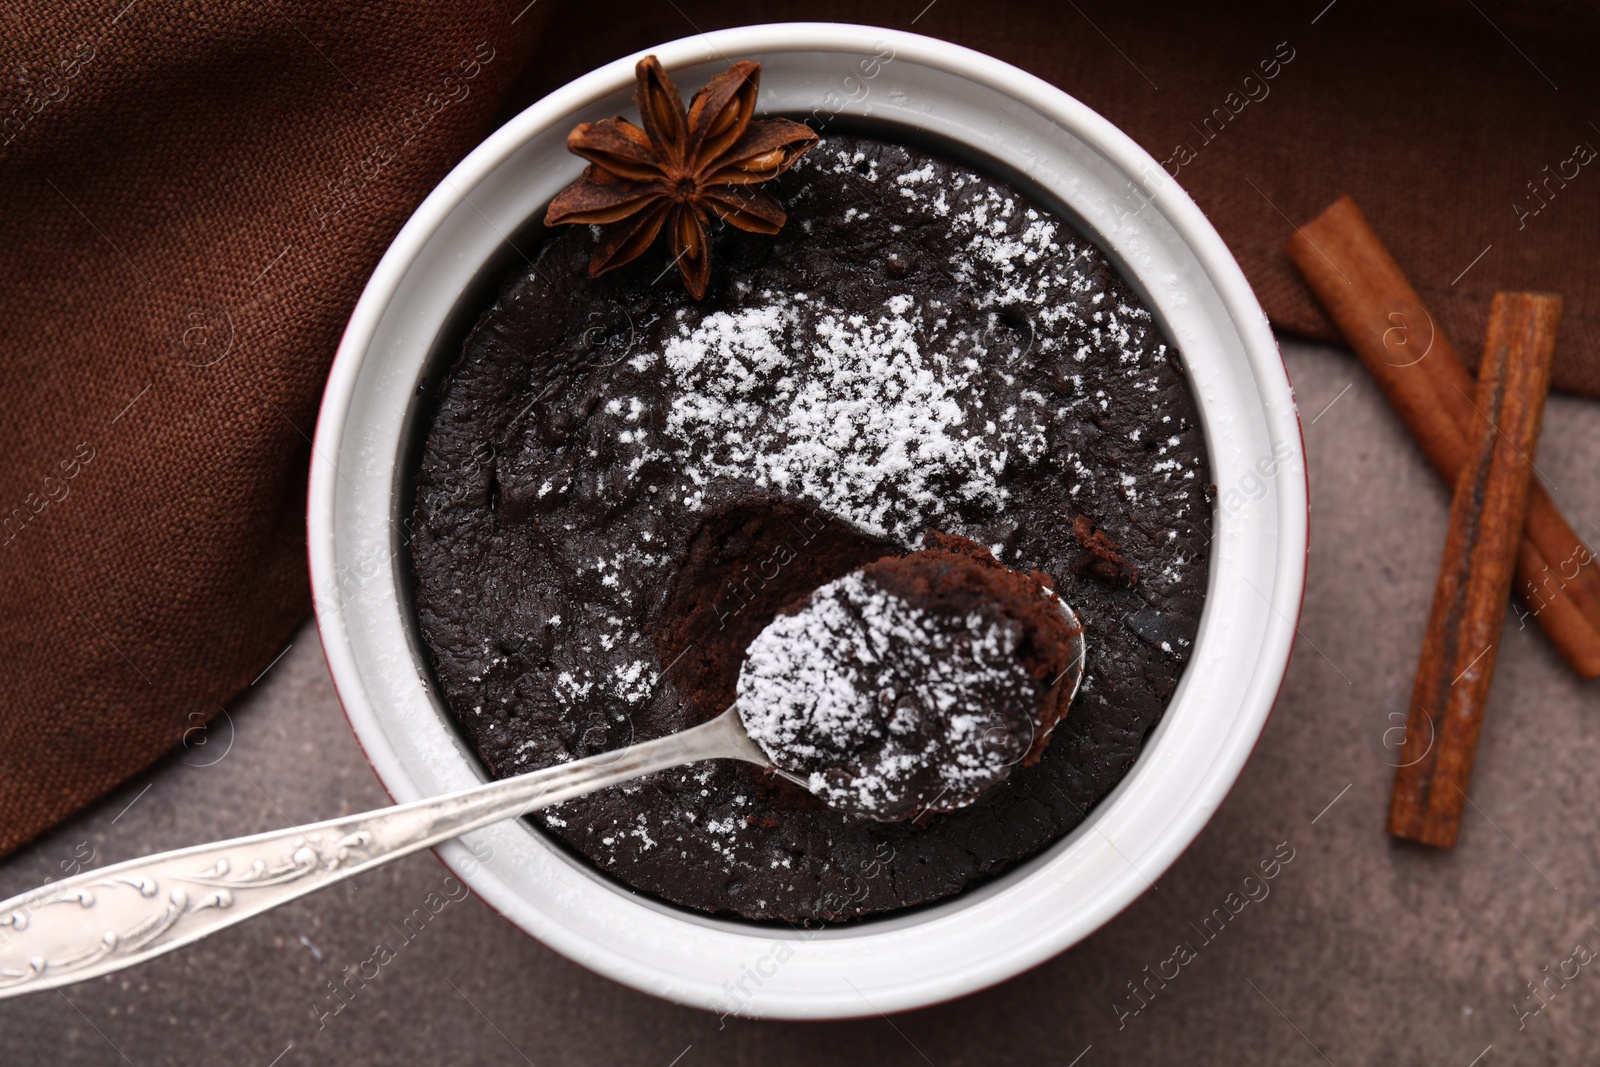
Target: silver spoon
114, 917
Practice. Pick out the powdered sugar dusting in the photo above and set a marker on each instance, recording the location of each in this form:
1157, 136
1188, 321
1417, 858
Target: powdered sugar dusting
887, 707
886, 420
866, 417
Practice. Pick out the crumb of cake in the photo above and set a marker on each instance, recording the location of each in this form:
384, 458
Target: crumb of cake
1102, 557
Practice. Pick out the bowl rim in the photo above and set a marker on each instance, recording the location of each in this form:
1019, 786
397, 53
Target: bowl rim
1290, 493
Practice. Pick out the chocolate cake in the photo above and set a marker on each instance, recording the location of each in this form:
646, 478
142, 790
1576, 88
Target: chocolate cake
911, 685
622, 486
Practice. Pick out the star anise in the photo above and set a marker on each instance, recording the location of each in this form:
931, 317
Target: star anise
679, 170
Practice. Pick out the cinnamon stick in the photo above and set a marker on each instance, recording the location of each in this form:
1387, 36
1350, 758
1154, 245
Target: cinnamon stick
1420, 372
1469, 603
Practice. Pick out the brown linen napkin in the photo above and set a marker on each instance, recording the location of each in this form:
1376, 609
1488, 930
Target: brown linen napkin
193, 197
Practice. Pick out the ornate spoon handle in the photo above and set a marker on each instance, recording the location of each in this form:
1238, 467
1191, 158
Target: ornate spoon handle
114, 917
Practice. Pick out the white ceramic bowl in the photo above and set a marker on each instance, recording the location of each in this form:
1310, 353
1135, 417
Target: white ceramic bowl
460, 241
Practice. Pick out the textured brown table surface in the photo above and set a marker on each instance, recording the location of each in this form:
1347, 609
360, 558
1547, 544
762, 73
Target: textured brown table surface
1365, 950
